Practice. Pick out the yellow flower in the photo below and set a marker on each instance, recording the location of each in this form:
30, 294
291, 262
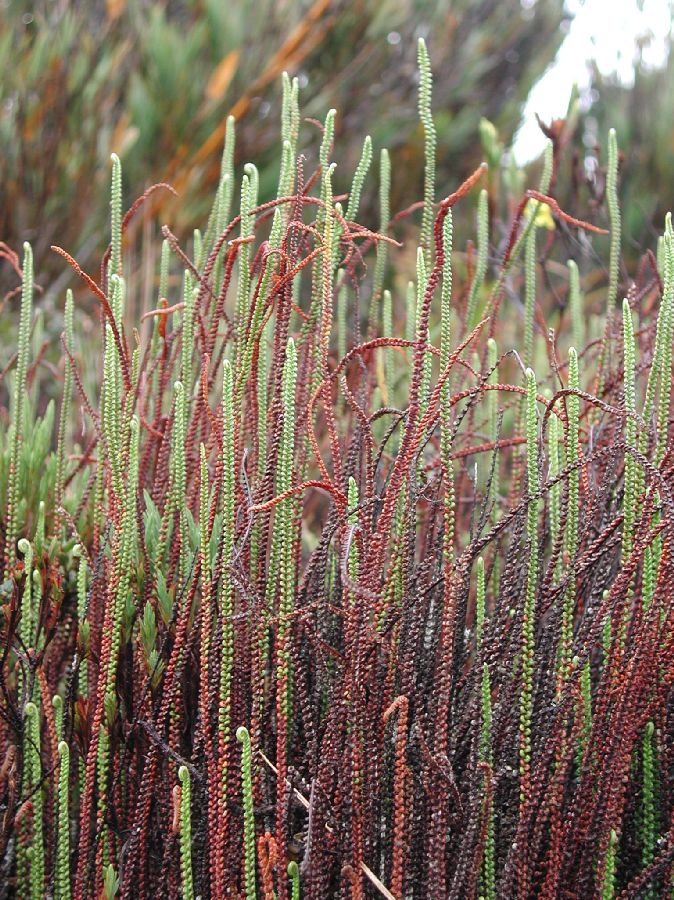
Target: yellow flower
542, 214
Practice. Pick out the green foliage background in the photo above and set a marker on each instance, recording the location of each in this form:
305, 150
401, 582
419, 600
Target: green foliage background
154, 81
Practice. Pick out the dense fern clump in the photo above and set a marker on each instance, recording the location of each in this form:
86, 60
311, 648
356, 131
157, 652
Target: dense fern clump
344, 570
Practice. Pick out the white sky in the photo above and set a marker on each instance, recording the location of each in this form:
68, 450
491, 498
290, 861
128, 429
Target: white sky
605, 30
